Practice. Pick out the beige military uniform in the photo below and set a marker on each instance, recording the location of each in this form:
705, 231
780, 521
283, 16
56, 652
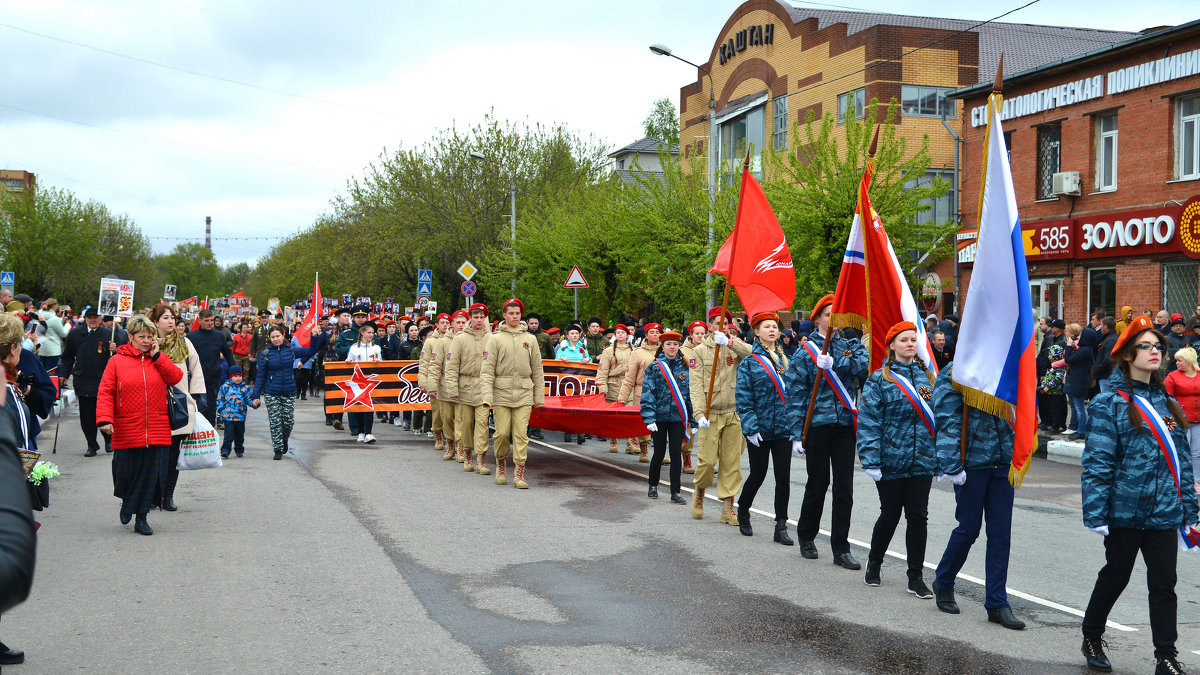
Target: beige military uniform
611, 370
463, 363
686, 349
635, 371
722, 443
437, 378
428, 364
512, 383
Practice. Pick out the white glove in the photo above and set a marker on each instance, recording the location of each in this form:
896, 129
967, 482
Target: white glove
1101, 530
798, 449
629, 339
612, 339
824, 361
721, 338
875, 474
695, 431
652, 427
956, 478
754, 439
702, 422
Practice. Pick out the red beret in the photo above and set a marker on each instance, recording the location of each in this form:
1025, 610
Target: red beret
898, 329
513, 301
718, 311
669, 336
443, 315
623, 327
478, 307
458, 312
1136, 327
406, 318
692, 326
825, 301
552, 330
654, 326
763, 316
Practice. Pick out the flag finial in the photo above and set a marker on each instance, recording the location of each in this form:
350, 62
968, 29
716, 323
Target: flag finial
874, 143
998, 85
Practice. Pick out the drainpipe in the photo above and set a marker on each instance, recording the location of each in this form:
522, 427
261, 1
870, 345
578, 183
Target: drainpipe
958, 141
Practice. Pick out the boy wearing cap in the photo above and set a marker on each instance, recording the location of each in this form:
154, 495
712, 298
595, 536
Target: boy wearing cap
513, 384
464, 362
232, 399
720, 443
426, 379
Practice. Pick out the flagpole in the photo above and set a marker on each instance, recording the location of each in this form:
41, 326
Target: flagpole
712, 375
816, 389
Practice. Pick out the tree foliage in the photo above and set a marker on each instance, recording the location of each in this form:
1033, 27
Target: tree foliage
662, 122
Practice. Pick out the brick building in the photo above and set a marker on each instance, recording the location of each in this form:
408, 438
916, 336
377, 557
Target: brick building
1105, 154
16, 180
772, 64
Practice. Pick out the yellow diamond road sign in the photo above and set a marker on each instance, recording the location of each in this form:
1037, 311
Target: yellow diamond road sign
467, 270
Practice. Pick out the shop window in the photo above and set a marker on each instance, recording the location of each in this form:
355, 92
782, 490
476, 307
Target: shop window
780, 111
742, 133
1106, 152
918, 101
1049, 159
1102, 289
1187, 134
857, 98
1180, 287
939, 210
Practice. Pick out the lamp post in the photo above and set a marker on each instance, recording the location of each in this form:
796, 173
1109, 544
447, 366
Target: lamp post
663, 50
512, 218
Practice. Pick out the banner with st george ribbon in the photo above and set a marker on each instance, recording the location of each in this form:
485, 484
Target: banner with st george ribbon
392, 385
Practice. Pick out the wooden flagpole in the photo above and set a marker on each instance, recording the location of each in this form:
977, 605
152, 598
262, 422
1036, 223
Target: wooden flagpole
712, 375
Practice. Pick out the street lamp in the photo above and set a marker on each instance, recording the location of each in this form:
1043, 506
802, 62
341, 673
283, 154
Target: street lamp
512, 217
663, 50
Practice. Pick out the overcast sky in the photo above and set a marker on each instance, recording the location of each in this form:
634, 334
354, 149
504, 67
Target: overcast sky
169, 148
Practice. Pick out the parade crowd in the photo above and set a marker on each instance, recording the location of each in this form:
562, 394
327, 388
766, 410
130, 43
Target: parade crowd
1126, 386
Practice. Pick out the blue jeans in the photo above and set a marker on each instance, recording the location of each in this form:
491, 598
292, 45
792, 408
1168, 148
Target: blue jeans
1079, 414
235, 436
987, 492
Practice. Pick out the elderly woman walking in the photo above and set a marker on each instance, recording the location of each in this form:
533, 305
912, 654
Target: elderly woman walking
181, 352
131, 406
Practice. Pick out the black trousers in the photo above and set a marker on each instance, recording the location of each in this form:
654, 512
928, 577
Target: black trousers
828, 447
210, 412
777, 451
301, 376
910, 495
669, 434
1053, 410
87, 421
1159, 548
361, 423
173, 467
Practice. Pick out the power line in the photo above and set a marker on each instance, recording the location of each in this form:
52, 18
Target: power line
219, 238
194, 73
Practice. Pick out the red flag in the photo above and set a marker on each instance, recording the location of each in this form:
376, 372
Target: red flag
755, 258
239, 294
304, 333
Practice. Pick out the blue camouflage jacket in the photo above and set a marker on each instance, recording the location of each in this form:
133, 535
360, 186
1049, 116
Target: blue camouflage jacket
1126, 482
891, 435
232, 400
989, 438
757, 400
850, 364
658, 405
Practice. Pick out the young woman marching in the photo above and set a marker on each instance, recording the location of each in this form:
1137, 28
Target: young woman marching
762, 404
667, 410
631, 387
573, 349
276, 384
365, 350
609, 375
1136, 492
896, 449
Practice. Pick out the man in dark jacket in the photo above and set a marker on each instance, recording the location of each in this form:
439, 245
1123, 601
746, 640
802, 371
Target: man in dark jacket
1103, 364
83, 360
210, 347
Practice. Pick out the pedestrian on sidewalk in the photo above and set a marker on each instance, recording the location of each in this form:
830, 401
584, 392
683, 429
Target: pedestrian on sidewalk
51, 344
365, 350
1135, 480
85, 357
1079, 353
232, 399
1184, 386
276, 384
183, 354
131, 407
667, 411
896, 449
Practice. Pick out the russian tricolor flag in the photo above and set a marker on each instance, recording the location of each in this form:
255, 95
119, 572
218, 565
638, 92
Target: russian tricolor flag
994, 361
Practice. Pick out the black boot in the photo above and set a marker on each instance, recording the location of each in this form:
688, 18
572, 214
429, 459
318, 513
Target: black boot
10, 657
567, 438
536, 433
169, 503
1004, 617
141, 526
1169, 665
744, 522
944, 597
125, 515
872, 576
580, 438
1093, 653
781, 533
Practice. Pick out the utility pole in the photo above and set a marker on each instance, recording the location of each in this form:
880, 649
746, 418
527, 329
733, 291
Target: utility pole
208, 232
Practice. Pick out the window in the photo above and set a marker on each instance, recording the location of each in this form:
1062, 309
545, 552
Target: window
1187, 134
1049, 138
1008, 146
1102, 289
857, 98
742, 133
1180, 284
781, 123
926, 101
1106, 152
939, 210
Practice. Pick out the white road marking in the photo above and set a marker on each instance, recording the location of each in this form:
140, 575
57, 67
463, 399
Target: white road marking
895, 554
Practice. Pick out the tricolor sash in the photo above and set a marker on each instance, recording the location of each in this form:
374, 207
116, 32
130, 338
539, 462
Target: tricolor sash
1189, 537
834, 381
922, 408
673, 387
775, 378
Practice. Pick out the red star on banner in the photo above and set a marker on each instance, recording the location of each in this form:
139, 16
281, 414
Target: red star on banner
358, 389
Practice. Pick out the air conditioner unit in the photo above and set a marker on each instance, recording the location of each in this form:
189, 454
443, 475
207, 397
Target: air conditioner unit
1068, 183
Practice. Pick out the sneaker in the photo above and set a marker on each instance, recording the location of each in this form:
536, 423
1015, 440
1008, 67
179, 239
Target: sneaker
918, 588
397, 422
428, 434
362, 438
224, 455
368, 438
872, 576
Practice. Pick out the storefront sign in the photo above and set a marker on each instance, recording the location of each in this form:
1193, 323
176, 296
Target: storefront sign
751, 36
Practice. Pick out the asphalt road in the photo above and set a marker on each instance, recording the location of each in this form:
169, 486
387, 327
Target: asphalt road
384, 558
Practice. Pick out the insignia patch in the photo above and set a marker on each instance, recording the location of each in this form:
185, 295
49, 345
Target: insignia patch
1170, 422
691, 363
847, 352
926, 393
485, 355
447, 356
729, 360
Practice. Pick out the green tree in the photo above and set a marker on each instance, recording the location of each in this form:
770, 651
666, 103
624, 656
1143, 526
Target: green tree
662, 122
193, 270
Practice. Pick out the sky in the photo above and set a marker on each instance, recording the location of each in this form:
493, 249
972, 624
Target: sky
259, 113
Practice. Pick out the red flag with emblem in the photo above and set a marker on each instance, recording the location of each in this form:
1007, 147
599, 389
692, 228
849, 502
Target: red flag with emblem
304, 333
755, 258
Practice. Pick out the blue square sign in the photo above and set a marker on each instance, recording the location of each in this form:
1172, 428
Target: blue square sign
424, 288
7, 278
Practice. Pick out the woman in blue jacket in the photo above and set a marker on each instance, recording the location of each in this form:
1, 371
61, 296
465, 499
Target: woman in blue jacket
276, 382
667, 410
896, 449
1131, 494
761, 398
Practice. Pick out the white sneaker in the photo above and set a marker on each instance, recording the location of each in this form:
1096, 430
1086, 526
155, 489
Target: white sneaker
369, 439
428, 434
398, 421
362, 438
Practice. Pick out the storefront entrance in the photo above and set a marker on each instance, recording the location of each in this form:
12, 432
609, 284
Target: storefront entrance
1047, 295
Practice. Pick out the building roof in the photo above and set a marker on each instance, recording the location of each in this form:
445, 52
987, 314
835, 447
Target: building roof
645, 145
1025, 46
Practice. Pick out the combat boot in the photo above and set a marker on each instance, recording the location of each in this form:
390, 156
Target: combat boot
645, 457
728, 513
439, 442
687, 464
468, 454
449, 451
631, 447
698, 503
459, 455
501, 471
481, 466
612, 445
519, 478
666, 459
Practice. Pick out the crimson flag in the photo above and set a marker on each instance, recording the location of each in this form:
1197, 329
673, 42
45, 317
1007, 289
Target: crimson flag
755, 259
304, 333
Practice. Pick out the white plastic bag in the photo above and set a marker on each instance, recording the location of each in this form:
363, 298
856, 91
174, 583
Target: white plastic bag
201, 449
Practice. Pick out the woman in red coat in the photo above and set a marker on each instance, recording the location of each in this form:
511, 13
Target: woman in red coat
131, 406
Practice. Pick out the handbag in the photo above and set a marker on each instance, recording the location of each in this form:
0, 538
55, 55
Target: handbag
177, 408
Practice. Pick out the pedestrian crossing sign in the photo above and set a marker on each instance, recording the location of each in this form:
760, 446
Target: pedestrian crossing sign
8, 278
424, 288
424, 276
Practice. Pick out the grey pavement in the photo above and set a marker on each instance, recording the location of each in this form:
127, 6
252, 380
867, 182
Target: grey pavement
384, 558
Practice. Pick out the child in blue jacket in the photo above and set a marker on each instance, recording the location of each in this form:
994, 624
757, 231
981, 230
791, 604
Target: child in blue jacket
667, 411
232, 399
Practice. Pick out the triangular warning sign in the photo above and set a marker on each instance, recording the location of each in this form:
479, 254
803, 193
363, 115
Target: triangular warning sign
575, 279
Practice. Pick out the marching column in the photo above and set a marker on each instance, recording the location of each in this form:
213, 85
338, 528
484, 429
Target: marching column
635, 373
458, 321
512, 383
463, 363
428, 373
611, 372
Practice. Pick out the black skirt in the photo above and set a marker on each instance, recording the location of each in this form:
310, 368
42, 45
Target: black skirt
139, 475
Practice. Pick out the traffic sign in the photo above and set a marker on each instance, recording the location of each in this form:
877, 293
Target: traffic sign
425, 276
468, 288
8, 278
423, 301
424, 288
575, 279
467, 270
